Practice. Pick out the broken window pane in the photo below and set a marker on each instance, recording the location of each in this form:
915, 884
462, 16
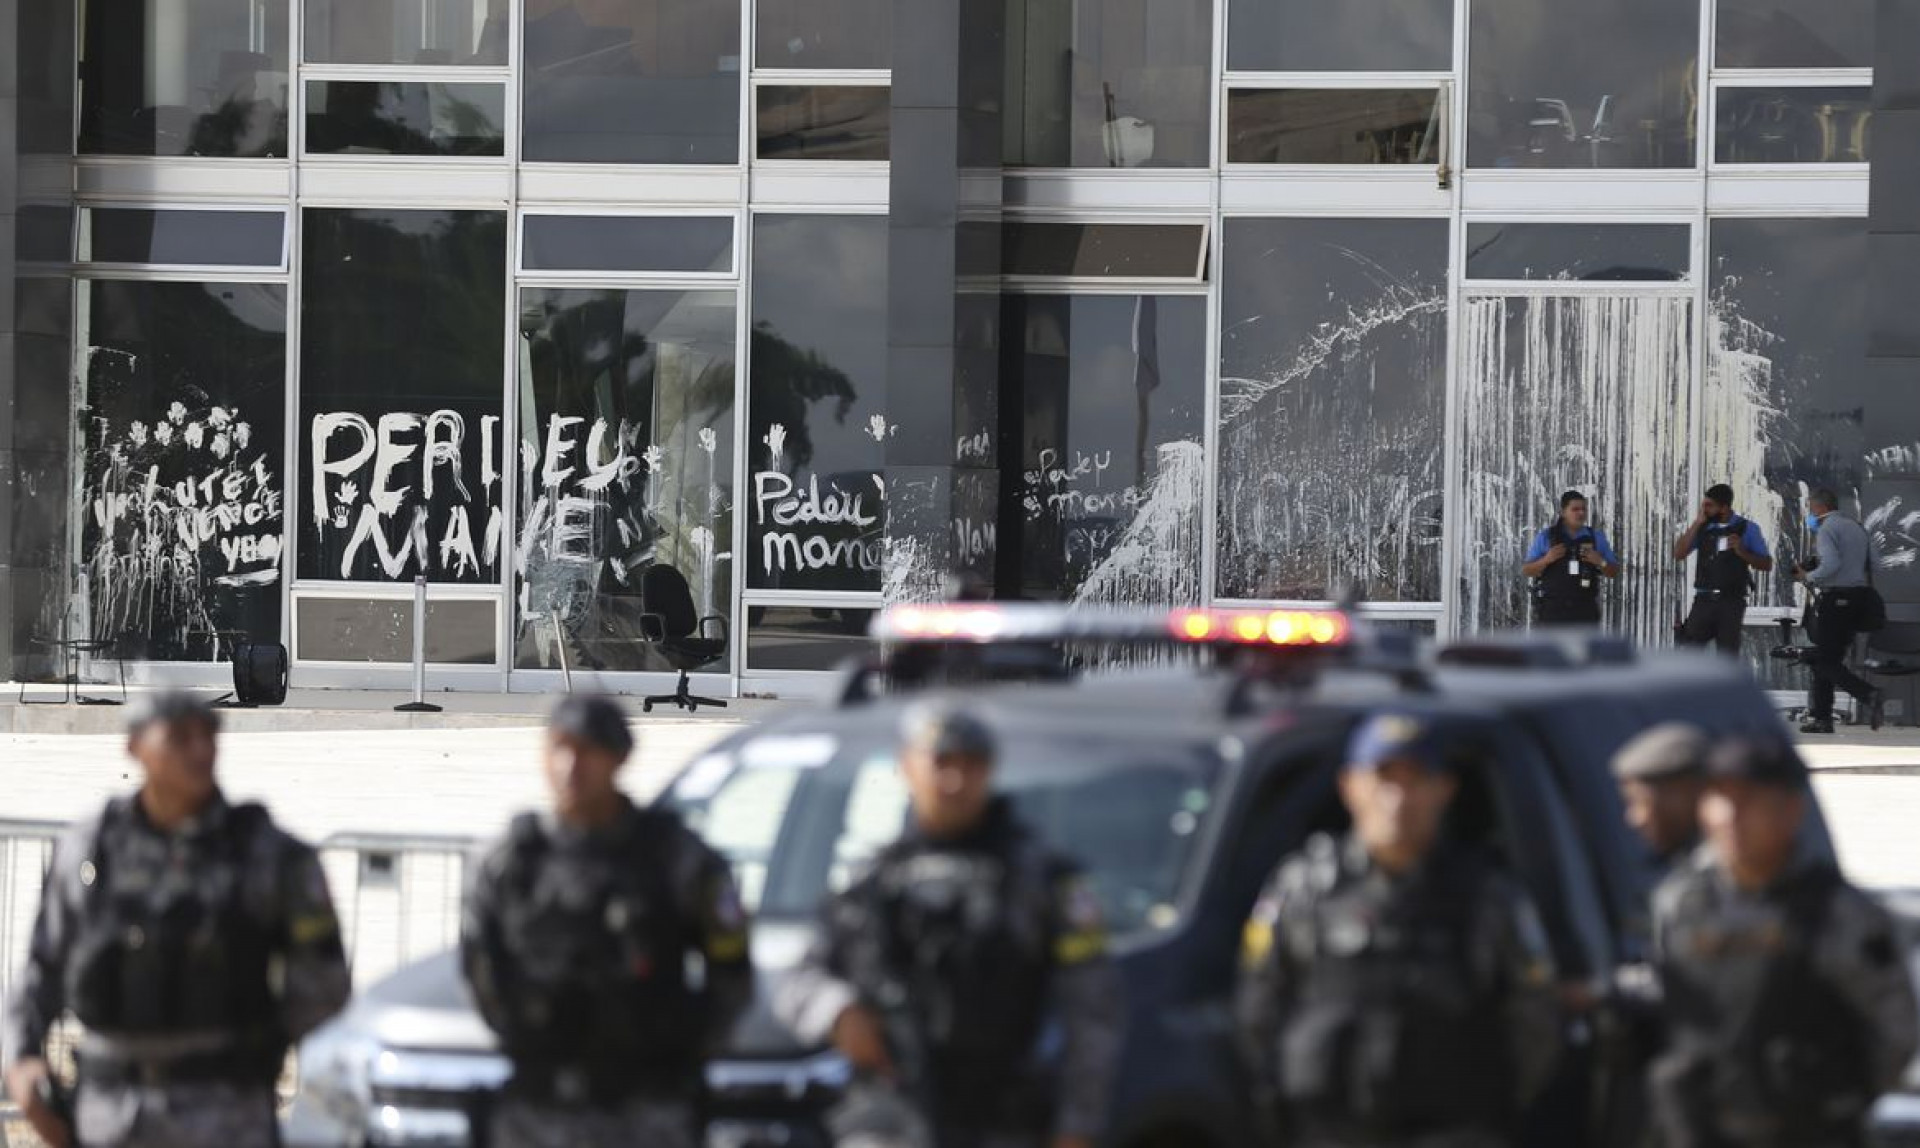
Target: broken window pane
1333, 341
626, 450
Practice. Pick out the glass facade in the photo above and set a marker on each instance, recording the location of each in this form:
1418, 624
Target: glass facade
631, 321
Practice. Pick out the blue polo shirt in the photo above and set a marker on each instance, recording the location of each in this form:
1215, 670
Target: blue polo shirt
1542, 542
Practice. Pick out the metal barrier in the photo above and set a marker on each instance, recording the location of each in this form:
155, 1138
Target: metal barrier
398, 896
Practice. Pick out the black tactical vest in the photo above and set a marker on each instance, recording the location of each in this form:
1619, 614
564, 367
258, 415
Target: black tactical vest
595, 951
1397, 1027
1720, 571
958, 963
1559, 587
1772, 1042
174, 947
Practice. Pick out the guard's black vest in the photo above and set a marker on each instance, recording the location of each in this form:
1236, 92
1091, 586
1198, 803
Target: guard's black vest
1559, 589
1720, 571
593, 960
153, 959
1772, 1041
1396, 1031
958, 964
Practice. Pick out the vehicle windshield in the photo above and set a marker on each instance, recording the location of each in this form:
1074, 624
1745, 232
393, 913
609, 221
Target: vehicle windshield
797, 816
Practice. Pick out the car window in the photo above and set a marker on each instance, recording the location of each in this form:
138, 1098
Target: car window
741, 819
1130, 814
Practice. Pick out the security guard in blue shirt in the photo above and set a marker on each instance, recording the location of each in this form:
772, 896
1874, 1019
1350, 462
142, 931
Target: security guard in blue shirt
1567, 562
1727, 551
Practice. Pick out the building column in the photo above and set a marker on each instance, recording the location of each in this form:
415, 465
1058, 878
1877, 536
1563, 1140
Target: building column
1892, 415
943, 315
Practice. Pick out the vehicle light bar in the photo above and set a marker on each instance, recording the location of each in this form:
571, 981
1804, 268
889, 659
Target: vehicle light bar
986, 623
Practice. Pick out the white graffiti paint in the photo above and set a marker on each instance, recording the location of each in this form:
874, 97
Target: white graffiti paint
1583, 392
1330, 473
171, 525
1156, 558
1402, 303
398, 515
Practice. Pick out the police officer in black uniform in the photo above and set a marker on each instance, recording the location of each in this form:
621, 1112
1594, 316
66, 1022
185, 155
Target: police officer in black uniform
1727, 550
937, 972
607, 947
1661, 774
192, 940
1568, 561
1396, 990
1786, 989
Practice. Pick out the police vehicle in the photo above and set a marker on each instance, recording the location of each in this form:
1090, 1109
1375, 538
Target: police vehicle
1179, 783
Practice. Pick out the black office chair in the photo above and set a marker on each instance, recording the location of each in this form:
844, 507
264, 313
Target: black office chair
674, 627
1893, 654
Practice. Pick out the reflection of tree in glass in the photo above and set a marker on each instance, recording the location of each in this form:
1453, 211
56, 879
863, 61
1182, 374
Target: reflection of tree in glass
253, 129
787, 379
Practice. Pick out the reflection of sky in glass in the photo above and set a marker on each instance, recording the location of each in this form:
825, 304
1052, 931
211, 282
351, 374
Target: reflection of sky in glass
1351, 35
1794, 34
819, 283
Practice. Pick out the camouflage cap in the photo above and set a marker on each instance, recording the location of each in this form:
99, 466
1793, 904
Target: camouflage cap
944, 730
1764, 762
165, 707
594, 719
1665, 752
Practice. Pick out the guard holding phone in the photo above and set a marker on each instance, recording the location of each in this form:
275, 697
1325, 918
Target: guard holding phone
1727, 550
1567, 562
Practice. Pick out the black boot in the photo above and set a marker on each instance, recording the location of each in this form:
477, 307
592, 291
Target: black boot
1817, 725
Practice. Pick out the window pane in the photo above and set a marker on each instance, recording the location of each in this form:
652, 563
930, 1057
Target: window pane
627, 243
1350, 36
1102, 250
829, 34
1565, 83
626, 442
1333, 361
1110, 485
1786, 335
184, 409
805, 637
1794, 34
381, 630
1339, 125
822, 123
401, 373
632, 81
1793, 125
819, 400
1109, 83
352, 117
184, 77
1581, 392
183, 238
1579, 251
405, 32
